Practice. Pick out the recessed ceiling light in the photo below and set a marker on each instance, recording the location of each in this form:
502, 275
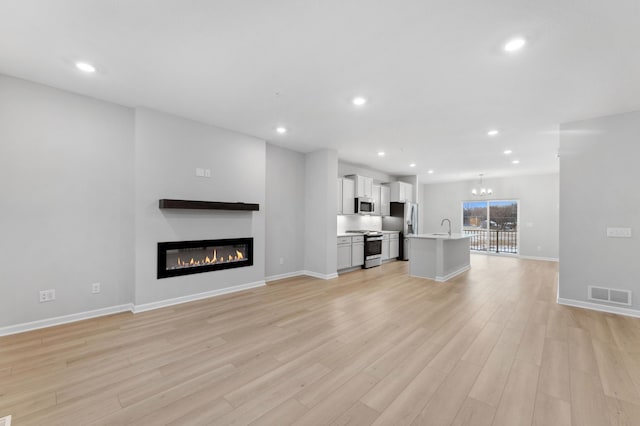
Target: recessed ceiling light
516, 161
359, 101
514, 44
507, 151
430, 172
83, 66
380, 153
412, 165
492, 132
281, 130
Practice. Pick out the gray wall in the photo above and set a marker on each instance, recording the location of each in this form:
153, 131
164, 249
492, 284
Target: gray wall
320, 251
345, 169
539, 201
66, 167
284, 211
167, 151
599, 177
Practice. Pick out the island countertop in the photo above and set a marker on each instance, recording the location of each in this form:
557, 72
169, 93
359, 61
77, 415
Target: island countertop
440, 236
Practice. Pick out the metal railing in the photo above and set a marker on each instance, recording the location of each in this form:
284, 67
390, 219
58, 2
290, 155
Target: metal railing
493, 240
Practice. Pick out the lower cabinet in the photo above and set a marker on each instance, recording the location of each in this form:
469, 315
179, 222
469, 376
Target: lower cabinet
357, 254
385, 247
394, 246
344, 252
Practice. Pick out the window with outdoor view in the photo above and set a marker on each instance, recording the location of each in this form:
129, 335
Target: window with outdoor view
492, 225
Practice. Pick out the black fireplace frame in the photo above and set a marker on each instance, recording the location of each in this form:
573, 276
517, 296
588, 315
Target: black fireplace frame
163, 272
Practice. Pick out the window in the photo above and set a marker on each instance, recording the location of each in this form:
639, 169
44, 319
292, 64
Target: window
493, 225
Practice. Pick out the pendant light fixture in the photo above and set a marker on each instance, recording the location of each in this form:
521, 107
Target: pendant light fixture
481, 191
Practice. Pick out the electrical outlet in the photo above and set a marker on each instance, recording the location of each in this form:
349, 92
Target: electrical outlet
47, 295
95, 288
199, 172
282, 260
619, 232
207, 173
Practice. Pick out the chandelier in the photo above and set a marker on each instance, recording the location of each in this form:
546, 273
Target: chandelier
482, 191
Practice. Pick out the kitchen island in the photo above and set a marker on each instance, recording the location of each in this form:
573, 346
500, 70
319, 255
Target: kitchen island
438, 257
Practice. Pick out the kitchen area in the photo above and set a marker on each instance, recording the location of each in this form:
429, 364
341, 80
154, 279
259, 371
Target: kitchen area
374, 221
378, 223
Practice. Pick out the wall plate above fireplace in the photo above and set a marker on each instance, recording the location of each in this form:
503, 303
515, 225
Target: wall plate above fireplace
166, 203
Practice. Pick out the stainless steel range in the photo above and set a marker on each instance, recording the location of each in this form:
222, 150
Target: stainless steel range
372, 247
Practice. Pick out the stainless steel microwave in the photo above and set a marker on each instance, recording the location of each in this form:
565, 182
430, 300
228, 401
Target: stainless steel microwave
364, 205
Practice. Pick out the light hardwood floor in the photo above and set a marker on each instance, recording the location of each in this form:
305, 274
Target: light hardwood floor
371, 347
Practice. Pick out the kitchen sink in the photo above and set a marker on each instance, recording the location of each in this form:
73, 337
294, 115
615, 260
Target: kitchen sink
440, 233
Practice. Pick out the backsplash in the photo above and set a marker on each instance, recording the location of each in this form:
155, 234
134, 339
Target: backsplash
354, 222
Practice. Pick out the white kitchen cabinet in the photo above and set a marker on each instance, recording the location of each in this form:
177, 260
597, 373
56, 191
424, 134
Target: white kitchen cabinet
344, 252
363, 186
376, 200
340, 196
394, 246
357, 254
385, 197
401, 192
348, 196
385, 247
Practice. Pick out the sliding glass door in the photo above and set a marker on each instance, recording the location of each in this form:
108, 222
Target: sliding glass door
492, 225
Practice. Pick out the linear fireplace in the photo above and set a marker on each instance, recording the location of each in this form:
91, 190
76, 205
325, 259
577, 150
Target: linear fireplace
192, 257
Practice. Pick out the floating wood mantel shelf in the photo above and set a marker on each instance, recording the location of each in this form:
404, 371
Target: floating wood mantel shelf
207, 205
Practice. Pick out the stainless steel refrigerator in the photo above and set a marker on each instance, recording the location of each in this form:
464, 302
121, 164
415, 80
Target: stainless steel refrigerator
404, 218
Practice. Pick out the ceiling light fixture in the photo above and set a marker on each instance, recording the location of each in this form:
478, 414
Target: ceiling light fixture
281, 130
482, 191
430, 172
492, 132
412, 165
507, 151
515, 44
380, 153
83, 66
516, 161
359, 101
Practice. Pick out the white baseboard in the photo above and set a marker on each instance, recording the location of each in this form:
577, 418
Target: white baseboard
598, 307
321, 276
65, 319
128, 307
283, 276
193, 297
453, 274
548, 259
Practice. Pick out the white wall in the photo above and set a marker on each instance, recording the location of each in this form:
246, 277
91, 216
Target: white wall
285, 182
599, 177
538, 197
167, 151
66, 167
320, 250
345, 169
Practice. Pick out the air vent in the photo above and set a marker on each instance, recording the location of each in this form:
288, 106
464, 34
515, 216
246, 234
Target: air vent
610, 295
5, 421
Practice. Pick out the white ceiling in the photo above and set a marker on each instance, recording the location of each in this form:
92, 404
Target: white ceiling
434, 71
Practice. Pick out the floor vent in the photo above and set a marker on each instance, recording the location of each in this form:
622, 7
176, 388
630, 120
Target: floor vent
5, 421
610, 295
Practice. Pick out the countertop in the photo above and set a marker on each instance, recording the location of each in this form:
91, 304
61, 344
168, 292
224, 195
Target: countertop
440, 237
353, 234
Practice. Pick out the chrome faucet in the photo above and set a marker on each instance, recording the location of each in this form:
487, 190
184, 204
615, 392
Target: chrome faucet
442, 223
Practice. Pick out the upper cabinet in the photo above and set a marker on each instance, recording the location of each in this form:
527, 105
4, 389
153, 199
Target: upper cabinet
347, 191
340, 201
401, 192
376, 200
363, 186
385, 198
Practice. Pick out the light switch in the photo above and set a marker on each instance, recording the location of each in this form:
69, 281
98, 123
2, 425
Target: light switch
207, 173
199, 172
619, 232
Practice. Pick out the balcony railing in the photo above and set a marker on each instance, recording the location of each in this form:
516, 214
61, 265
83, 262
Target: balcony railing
493, 240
